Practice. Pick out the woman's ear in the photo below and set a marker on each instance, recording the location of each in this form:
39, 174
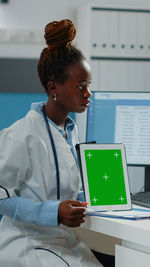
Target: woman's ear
51, 87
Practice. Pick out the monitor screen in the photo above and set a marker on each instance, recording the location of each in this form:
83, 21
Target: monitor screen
121, 117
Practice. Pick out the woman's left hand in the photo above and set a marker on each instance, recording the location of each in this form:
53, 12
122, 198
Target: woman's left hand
71, 213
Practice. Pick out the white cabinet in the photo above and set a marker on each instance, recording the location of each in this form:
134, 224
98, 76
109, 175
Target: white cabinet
116, 42
127, 257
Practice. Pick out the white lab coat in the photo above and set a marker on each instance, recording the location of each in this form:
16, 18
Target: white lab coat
27, 168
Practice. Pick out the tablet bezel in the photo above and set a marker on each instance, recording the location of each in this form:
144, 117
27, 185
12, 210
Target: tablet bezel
82, 148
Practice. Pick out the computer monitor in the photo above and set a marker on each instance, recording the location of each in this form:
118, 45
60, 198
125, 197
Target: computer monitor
122, 117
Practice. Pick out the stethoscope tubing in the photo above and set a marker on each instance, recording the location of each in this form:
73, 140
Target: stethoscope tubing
54, 152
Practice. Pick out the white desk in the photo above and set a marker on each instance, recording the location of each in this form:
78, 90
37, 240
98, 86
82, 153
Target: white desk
135, 235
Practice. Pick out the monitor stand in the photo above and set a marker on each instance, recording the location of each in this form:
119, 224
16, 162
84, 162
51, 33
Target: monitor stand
147, 179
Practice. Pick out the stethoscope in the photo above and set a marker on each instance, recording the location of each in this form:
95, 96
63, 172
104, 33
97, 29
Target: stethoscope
54, 151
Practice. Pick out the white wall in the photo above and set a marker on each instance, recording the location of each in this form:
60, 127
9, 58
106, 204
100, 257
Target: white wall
21, 18
37, 13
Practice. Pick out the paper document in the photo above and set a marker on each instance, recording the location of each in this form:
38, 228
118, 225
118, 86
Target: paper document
133, 214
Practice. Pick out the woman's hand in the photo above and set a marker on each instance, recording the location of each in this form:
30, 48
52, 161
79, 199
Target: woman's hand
71, 213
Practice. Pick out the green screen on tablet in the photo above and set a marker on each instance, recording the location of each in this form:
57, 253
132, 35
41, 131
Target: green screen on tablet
106, 185
104, 176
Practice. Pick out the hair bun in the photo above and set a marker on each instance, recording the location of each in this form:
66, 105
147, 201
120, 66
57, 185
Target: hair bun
59, 33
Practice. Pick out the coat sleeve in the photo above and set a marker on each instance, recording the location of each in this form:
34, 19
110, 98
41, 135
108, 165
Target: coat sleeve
25, 210
14, 163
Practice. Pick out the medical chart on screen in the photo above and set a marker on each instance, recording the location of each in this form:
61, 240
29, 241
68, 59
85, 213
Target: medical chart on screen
133, 129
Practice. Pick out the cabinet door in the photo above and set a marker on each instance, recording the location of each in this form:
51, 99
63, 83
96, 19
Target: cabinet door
126, 257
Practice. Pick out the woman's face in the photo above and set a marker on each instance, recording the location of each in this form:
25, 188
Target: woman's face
74, 95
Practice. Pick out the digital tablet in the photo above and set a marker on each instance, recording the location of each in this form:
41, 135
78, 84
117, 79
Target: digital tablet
104, 176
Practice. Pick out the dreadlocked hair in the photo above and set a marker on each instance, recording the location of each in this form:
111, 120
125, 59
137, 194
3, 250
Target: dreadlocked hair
59, 54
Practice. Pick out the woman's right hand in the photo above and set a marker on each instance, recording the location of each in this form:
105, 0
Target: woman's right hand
71, 213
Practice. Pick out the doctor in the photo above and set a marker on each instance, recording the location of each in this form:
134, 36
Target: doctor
39, 177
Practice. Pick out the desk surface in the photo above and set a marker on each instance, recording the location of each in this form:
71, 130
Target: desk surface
133, 231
